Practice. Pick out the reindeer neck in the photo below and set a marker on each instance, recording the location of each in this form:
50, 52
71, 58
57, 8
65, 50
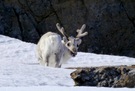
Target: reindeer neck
66, 53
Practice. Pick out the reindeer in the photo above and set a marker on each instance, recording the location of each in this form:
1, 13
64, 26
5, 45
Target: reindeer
53, 51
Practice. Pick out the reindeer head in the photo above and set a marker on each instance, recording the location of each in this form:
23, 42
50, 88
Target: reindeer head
72, 43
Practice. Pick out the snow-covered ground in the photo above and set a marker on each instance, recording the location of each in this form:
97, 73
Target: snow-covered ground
20, 71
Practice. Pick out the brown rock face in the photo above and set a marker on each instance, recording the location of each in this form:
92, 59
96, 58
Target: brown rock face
111, 24
105, 77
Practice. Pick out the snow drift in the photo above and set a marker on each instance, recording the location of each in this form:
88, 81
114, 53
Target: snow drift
19, 67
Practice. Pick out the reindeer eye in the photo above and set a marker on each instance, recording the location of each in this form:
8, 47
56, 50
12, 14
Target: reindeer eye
68, 44
77, 45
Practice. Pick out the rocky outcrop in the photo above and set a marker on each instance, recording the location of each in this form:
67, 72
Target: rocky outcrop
121, 76
111, 24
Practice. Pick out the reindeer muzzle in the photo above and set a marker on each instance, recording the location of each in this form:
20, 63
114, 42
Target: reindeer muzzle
73, 53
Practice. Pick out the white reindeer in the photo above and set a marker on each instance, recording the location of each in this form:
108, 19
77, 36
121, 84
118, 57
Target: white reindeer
52, 50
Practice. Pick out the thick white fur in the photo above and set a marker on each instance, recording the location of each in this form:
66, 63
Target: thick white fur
51, 50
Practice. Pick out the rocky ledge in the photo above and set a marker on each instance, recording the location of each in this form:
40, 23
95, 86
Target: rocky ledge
120, 76
110, 23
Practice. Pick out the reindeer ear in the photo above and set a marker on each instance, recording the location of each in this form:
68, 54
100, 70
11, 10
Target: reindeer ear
64, 39
79, 41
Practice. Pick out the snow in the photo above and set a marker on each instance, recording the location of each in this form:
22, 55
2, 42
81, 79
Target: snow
20, 70
56, 88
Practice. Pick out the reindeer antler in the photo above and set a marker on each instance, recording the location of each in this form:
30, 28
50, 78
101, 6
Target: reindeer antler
80, 31
61, 29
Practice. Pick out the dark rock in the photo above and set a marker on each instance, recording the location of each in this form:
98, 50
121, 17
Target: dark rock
120, 76
111, 24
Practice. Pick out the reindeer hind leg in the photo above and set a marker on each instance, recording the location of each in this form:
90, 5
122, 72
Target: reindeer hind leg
45, 60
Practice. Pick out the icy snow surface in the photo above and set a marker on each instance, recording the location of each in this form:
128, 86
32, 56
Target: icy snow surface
19, 68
